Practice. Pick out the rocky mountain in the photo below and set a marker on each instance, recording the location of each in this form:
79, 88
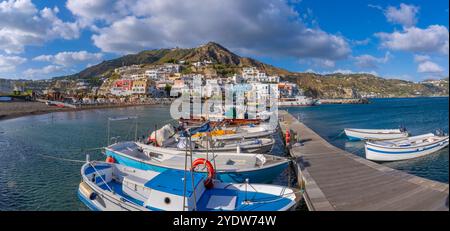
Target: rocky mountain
219, 55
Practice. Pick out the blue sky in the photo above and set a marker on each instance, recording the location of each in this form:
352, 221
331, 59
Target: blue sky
393, 39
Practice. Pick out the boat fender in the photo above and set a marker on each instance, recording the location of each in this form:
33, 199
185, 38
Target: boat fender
211, 172
87, 191
110, 159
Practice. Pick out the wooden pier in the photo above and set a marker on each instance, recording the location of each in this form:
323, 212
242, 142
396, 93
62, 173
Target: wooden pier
334, 179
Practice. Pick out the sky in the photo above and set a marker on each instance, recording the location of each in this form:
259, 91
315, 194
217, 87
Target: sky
393, 39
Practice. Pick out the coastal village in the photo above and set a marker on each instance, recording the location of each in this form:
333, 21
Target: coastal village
138, 84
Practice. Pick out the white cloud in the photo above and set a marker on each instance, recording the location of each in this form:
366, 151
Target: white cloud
369, 61
43, 72
433, 39
262, 27
325, 63
88, 11
9, 63
361, 42
429, 67
404, 15
22, 24
70, 58
421, 58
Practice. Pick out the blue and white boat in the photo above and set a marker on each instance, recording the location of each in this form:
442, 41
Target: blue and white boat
406, 148
115, 187
229, 167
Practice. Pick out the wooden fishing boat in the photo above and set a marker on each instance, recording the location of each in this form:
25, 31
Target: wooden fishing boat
115, 187
406, 148
354, 134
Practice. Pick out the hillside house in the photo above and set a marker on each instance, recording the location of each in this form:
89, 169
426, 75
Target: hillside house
139, 87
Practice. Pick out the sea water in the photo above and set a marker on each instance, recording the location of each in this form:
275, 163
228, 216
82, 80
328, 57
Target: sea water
41, 155
418, 115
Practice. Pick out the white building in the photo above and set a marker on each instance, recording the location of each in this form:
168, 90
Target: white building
82, 85
122, 69
252, 75
119, 91
202, 63
162, 72
153, 74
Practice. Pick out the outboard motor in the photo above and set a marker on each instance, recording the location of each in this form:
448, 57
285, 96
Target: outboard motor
440, 132
403, 129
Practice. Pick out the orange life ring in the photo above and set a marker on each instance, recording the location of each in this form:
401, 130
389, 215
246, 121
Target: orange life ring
211, 172
110, 159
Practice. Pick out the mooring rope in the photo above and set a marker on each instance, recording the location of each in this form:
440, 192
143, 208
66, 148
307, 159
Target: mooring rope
62, 159
338, 135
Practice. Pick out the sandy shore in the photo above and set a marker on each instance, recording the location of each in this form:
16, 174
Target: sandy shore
11, 110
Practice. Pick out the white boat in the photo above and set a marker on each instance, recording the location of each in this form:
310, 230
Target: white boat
230, 167
406, 148
167, 137
248, 132
297, 101
255, 145
115, 187
375, 134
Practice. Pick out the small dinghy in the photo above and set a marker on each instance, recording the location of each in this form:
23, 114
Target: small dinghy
230, 167
406, 148
115, 187
375, 134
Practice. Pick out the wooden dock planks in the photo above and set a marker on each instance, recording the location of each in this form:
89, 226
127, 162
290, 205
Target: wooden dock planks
337, 180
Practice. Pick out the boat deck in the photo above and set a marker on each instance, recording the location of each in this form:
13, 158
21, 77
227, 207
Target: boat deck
334, 179
223, 162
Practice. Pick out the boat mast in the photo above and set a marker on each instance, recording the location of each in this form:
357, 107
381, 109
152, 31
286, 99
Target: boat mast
188, 154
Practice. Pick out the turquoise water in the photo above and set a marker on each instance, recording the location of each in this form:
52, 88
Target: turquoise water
30, 176
418, 115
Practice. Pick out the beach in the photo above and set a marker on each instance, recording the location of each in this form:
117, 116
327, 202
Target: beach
9, 110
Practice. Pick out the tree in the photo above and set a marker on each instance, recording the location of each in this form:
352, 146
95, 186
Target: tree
167, 88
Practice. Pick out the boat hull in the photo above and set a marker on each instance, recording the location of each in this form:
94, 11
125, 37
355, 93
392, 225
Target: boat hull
377, 153
357, 135
114, 187
261, 175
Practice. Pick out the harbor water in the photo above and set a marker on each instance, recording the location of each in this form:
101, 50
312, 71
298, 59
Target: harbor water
41, 156
418, 115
